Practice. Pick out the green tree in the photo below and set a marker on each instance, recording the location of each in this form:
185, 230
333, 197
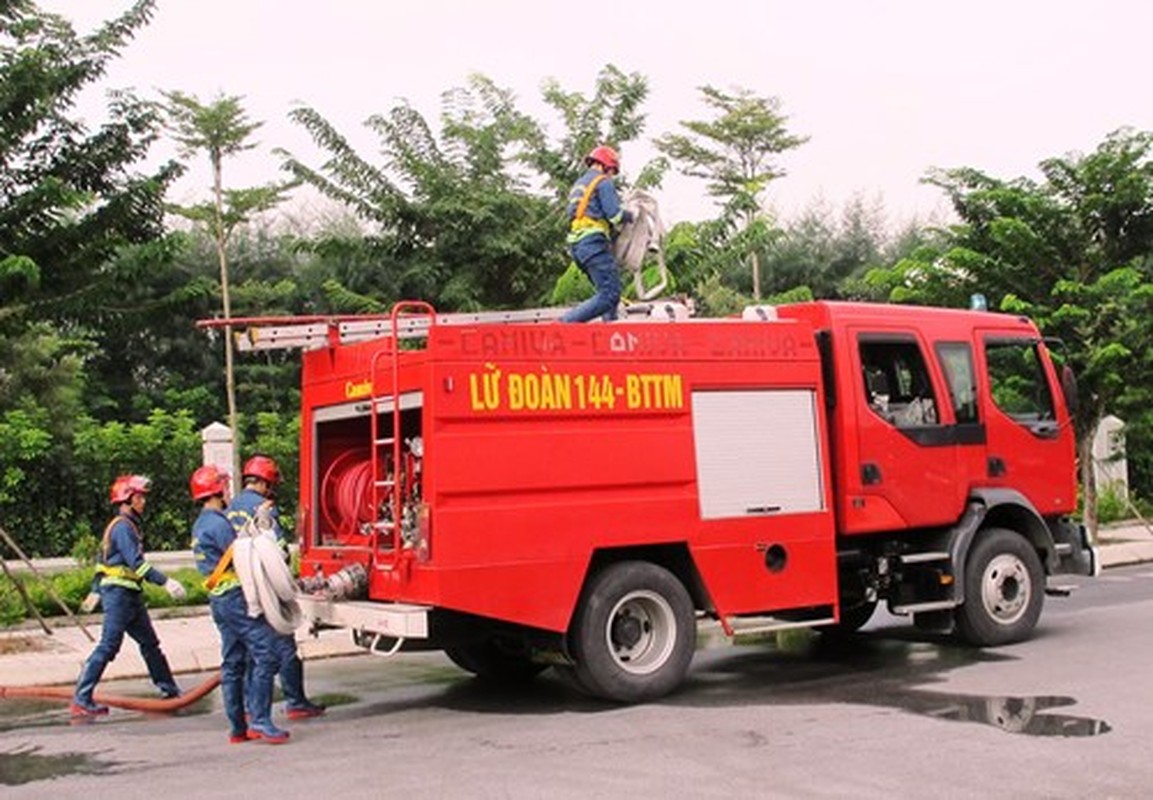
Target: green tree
455, 217
736, 154
81, 230
611, 115
1074, 251
165, 447
822, 249
69, 196
221, 129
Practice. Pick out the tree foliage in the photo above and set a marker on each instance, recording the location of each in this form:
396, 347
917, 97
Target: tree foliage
69, 198
611, 115
1073, 251
468, 217
736, 154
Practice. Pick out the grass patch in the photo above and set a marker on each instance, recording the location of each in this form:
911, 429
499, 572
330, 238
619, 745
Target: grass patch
73, 585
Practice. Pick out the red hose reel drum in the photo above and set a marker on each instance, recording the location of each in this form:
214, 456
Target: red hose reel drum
346, 494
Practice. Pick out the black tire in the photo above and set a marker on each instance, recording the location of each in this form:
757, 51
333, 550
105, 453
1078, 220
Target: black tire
568, 677
853, 618
1004, 590
634, 633
490, 661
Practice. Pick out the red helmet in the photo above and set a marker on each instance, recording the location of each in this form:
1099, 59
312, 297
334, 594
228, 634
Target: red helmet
127, 485
207, 481
605, 156
261, 467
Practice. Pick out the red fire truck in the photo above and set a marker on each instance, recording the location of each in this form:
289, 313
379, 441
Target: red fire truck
523, 493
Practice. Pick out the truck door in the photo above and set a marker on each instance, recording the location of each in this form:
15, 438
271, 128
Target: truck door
906, 436
1028, 449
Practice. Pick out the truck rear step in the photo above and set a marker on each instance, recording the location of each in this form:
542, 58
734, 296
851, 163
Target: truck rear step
394, 620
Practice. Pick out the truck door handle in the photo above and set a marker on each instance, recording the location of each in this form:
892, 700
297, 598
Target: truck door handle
996, 467
870, 474
762, 509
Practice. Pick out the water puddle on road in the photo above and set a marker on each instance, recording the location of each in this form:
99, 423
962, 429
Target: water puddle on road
1025, 715
28, 764
880, 671
1028, 715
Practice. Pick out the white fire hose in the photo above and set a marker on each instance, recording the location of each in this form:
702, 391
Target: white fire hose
644, 233
267, 581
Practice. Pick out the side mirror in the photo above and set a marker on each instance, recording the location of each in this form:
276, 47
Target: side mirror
1069, 389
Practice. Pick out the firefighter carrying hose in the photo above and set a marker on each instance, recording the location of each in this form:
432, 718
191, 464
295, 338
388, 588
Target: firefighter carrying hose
242, 638
594, 211
121, 571
261, 475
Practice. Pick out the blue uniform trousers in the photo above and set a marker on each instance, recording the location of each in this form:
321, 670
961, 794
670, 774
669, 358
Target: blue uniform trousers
291, 672
124, 613
594, 255
243, 638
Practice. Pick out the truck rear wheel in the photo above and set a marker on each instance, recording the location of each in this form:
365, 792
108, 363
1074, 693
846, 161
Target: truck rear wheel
491, 661
634, 633
1004, 590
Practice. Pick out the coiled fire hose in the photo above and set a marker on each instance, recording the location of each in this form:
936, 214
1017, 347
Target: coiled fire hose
268, 584
644, 233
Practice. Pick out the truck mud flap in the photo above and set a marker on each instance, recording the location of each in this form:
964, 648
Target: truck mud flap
1076, 555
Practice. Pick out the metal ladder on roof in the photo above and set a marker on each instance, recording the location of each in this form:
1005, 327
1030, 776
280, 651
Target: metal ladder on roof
310, 333
314, 332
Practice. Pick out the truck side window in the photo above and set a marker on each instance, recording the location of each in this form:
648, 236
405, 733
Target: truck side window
957, 362
1017, 380
897, 384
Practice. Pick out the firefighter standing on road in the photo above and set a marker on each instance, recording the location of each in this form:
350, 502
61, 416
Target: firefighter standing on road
594, 212
261, 475
120, 574
242, 638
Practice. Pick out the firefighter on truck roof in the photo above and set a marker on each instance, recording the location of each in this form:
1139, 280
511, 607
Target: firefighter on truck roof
120, 574
595, 213
261, 475
241, 637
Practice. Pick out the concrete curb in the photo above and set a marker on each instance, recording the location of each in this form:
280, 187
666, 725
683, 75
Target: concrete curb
1124, 553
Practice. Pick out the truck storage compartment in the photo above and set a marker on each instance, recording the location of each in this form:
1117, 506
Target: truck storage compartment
356, 479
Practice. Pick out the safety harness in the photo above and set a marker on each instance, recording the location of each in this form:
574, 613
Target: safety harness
224, 577
582, 224
119, 574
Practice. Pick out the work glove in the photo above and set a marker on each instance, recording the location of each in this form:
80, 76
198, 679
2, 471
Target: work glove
91, 601
175, 589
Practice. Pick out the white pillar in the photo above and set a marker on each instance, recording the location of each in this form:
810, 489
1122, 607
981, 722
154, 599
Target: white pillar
217, 449
1112, 469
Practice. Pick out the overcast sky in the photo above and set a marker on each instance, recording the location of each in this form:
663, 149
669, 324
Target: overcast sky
885, 88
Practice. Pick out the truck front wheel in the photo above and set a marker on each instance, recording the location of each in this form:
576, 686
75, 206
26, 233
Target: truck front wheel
1004, 590
634, 633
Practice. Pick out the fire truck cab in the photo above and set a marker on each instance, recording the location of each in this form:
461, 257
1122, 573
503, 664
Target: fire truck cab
581, 496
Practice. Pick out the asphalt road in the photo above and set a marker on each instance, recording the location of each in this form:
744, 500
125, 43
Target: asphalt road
892, 713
